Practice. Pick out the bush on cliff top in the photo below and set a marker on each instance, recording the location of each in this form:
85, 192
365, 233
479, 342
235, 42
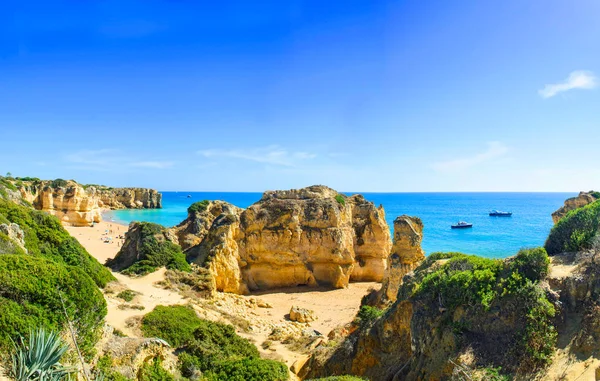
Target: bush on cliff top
155, 253
44, 236
199, 206
210, 347
476, 284
32, 288
576, 231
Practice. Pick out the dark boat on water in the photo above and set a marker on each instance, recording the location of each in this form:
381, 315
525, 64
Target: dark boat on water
461, 225
497, 213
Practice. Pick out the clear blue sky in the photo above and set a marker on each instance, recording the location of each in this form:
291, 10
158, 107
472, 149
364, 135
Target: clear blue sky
357, 95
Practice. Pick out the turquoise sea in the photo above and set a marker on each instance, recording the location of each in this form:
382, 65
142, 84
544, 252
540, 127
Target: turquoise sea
490, 236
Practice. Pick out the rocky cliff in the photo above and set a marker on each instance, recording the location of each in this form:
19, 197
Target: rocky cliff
451, 316
583, 199
406, 255
312, 236
79, 205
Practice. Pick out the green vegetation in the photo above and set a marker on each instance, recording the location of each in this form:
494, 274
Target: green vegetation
156, 252
44, 236
58, 183
32, 288
38, 358
248, 370
209, 347
153, 371
126, 295
577, 231
339, 378
476, 284
174, 324
198, 207
340, 199
7, 183
29, 179
104, 367
367, 315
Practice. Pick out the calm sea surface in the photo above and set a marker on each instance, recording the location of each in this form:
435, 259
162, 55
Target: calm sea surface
490, 236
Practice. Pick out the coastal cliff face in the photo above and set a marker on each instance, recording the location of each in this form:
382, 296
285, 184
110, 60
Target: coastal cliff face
78, 205
440, 326
406, 255
583, 199
312, 236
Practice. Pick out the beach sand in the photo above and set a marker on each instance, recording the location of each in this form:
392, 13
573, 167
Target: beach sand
149, 295
333, 308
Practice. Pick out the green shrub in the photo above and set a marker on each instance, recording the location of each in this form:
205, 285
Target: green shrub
174, 324
7, 184
476, 283
44, 236
340, 199
29, 179
126, 295
32, 288
155, 253
198, 207
212, 343
58, 183
209, 347
367, 315
105, 367
248, 370
531, 263
575, 231
463, 280
339, 378
153, 371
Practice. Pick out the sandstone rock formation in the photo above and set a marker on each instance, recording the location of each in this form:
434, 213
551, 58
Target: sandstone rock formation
129, 354
78, 205
573, 203
192, 231
302, 315
405, 257
15, 235
312, 236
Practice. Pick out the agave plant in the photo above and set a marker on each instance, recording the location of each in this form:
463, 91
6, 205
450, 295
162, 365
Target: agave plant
38, 359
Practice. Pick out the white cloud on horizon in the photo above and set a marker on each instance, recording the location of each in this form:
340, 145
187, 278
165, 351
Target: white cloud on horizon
109, 160
274, 154
579, 79
494, 150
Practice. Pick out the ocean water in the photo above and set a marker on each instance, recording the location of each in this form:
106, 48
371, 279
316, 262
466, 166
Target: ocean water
490, 236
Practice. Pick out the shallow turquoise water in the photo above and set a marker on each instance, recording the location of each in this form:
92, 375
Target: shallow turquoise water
490, 236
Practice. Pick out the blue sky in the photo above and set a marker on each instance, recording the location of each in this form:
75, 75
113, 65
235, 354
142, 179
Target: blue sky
358, 95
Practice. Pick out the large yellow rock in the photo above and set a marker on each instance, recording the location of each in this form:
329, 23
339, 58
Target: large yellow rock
312, 236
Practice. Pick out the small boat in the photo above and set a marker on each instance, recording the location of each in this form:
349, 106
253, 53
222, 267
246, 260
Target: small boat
498, 213
189, 196
461, 225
